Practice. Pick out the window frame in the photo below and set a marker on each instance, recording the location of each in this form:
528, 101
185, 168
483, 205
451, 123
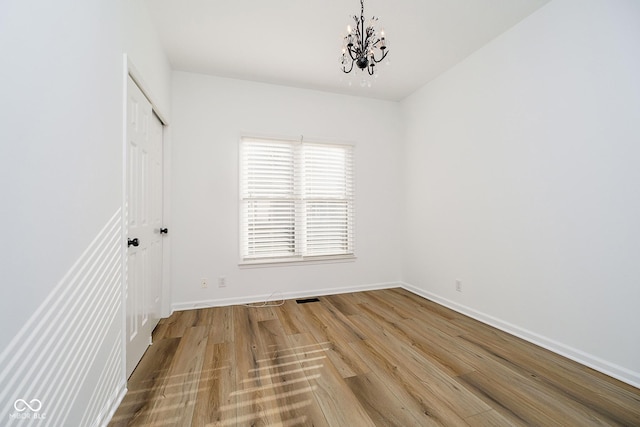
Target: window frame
301, 221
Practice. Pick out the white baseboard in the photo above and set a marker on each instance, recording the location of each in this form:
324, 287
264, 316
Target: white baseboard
281, 295
621, 373
115, 404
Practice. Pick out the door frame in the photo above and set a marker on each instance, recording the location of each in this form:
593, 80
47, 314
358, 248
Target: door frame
129, 70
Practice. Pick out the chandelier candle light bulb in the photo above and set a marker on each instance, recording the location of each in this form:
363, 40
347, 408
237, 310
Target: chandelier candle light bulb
361, 48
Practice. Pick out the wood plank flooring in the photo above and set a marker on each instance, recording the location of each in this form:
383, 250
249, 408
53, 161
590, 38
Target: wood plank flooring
377, 358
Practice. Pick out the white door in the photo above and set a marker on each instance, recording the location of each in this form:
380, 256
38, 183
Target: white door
144, 217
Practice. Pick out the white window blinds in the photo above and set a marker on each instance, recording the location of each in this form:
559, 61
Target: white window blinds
296, 200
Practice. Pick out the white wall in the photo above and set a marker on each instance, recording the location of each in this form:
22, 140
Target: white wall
522, 177
209, 116
60, 155
144, 51
61, 116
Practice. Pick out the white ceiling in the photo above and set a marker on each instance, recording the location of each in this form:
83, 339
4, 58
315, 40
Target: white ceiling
298, 42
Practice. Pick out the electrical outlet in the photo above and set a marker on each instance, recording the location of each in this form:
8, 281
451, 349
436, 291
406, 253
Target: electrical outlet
459, 285
204, 283
222, 282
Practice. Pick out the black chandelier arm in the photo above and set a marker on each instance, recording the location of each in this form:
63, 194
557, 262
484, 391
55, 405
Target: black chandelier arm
344, 69
365, 44
359, 35
384, 55
353, 53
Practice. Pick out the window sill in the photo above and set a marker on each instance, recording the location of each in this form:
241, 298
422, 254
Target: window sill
284, 262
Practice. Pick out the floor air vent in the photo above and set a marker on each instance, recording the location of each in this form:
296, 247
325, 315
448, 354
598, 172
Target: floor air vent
306, 300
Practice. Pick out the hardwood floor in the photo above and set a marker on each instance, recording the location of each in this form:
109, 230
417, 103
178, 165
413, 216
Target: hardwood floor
378, 358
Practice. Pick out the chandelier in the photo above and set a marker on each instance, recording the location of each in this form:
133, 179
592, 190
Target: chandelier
362, 44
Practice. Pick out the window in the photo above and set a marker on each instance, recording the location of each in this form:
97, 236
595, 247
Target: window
296, 201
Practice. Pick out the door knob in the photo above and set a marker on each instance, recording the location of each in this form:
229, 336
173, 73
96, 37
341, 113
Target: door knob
133, 242
164, 230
